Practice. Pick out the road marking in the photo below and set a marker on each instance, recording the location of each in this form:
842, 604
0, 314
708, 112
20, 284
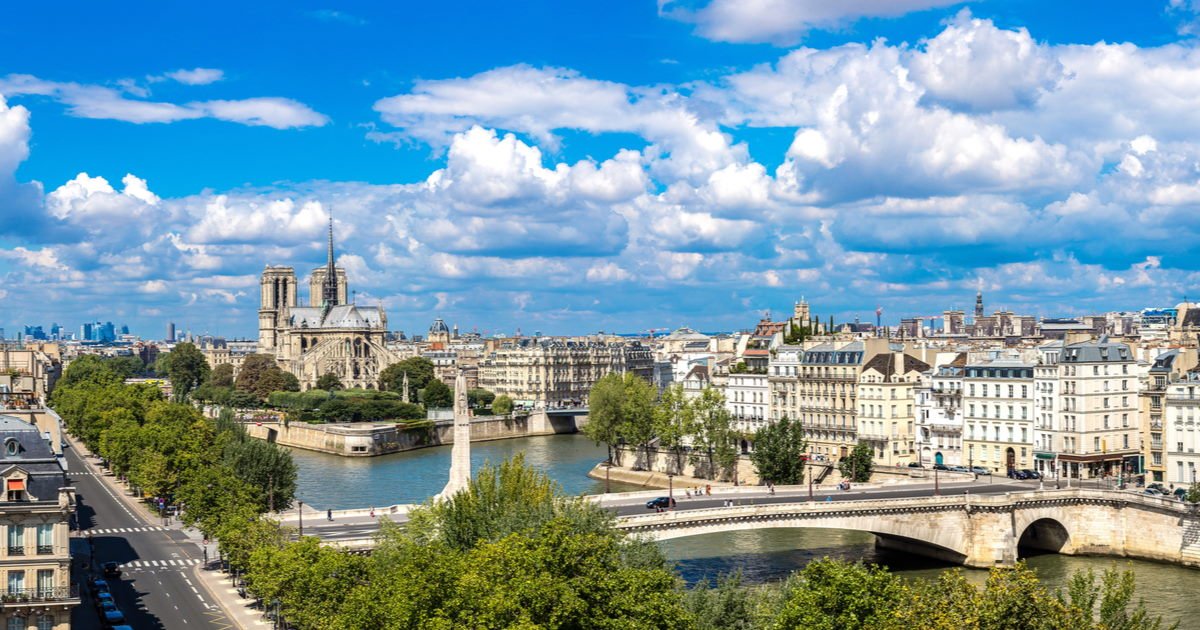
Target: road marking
122, 530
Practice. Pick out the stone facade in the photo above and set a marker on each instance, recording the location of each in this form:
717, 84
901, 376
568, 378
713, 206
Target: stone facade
548, 372
998, 399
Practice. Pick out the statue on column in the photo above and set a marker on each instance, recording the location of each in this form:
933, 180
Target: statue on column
460, 453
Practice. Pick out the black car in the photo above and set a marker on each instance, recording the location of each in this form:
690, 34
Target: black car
914, 465
660, 502
98, 585
111, 569
941, 467
1017, 474
1031, 474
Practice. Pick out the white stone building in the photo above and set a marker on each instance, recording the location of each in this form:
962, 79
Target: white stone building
939, 415
1182, 414
746, 398
1046, 439
1098, 416
998, 399
886, 400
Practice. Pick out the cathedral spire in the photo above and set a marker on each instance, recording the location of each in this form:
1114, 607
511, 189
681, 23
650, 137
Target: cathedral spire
329, 289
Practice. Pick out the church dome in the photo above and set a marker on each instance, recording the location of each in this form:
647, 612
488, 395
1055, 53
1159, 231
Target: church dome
439, 327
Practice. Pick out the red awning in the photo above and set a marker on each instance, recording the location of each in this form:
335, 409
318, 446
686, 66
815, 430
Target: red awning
16, 484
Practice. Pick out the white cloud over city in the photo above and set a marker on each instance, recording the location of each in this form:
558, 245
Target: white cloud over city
1066, 177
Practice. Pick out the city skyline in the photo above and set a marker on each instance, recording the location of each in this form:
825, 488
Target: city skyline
612, 168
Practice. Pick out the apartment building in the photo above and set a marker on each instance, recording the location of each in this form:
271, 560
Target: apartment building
826, 393
1046, 439
746, 398
556, 372
998, 399
1169, 367
886, 401
35, 513
939, 414
1181, 413
1098, 414
783, 373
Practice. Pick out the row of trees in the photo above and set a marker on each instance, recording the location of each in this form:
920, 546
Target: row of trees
510, 551
625, 409
221, 477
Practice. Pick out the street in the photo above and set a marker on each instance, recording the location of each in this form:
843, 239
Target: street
156, 588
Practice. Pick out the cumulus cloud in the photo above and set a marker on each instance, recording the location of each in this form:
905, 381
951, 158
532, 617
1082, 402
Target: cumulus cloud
96, 101
196, 76
784, 22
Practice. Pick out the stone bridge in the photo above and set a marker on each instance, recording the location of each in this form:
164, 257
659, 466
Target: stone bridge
977, 531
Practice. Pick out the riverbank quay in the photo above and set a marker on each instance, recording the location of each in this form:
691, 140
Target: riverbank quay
370, 439
664, 470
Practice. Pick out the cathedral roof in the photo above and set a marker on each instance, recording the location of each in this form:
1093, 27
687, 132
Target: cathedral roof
341, 316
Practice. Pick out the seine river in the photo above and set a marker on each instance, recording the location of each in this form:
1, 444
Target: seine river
329, 481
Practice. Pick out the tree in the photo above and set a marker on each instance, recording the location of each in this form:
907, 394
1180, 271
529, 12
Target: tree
673, 422
419, 371
713, 432
1193, 493
437, 395
779, 452
502, 405
480, 397
638, 413
187, 369
606, 411
266, 468
260, 376
828, 595
222, 376
329, 382
858, 464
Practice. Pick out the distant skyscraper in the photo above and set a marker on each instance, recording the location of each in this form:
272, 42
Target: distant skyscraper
124, 329
85, 332
170, 332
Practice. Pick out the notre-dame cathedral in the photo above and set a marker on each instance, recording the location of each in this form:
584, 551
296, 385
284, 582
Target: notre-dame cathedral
330, 335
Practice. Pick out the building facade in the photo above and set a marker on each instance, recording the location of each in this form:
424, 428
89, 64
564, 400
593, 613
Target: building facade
746, 398
940, 415
548, 372
998, 399
329, 336
35, 515
1182, 412
886, 406
1099, 407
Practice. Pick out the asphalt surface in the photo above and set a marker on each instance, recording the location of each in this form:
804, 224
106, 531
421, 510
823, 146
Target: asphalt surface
156, 588
358, 528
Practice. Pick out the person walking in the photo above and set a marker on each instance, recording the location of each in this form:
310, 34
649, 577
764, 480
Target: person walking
372, 511
329, 514
708, 490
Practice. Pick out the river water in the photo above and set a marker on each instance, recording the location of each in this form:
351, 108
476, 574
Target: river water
328, 481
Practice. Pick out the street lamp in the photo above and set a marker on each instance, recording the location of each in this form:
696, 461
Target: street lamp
670, 491
607, 468
301, 512
937, 491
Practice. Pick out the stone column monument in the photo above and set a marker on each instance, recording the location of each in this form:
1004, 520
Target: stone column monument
460, 453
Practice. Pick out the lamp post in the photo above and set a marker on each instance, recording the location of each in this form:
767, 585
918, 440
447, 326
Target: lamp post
937, 491
671, 491
607, 468
300, 510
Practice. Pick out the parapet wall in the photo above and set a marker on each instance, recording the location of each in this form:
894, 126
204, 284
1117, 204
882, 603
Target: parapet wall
366, 439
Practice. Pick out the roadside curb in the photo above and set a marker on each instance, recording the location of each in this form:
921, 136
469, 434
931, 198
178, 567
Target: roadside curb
215, 582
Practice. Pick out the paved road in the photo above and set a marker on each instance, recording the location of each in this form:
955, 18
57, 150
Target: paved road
157, 589
357, 528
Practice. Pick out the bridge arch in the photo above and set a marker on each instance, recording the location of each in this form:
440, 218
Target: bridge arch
1044, 535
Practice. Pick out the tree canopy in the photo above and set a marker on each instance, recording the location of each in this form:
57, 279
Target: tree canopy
329, 382
260, 375
437, 395
502, 405
419, 370
858, 464
186, 368
779, 452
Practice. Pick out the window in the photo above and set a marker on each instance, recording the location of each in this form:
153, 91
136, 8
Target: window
45, 623
45, 539
16, 582
45, 582
1124, 419
16, 540
1096, 444
1125, 440
1106, 420
15, 623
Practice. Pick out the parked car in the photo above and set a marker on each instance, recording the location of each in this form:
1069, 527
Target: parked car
97, 583
914, 465
1181, 494
980, 470
1031, 474
1157, 486
660, 502
1016, 473
1153, 492
122, 627
107, 606
104, 597
111, 569
114, 618
958, 469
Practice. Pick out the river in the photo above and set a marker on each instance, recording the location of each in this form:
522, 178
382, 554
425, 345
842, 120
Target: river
329, 481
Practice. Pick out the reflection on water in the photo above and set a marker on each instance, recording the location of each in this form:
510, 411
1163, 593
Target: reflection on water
332, 482
771, 554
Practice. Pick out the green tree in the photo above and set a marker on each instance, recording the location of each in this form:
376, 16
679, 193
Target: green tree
620, 406
222, 375
267, 469
713, 434
480, 397
673, 423
1193, 493
420, 373
437, 395
637, 426
502, 405
186, 368
730, 605
260, 375
831, 595
88, 368
780, 451
858, 464
329, 382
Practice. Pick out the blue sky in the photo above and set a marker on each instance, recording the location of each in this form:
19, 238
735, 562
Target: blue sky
615, 166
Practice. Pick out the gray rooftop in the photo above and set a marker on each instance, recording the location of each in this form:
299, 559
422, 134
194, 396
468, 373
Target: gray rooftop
1099, 351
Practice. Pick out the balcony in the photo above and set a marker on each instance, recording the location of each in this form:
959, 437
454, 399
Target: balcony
45, 550
16, 551
55, 594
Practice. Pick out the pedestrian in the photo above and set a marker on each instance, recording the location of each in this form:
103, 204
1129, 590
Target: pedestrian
372, 511
688, 492
708, 489
329, 514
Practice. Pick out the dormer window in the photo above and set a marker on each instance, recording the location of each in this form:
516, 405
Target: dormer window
11, 447
16, 489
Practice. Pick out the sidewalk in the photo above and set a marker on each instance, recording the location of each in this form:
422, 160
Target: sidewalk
220, 586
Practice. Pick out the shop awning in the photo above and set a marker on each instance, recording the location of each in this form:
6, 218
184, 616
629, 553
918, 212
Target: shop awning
1044, 455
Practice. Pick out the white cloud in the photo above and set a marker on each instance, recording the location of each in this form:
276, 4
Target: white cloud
196, 76
95, 101
785, 21
976, 66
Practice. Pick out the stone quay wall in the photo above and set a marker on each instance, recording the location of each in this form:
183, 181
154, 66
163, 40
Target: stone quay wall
367, 439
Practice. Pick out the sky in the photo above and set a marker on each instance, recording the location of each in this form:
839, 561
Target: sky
570, 167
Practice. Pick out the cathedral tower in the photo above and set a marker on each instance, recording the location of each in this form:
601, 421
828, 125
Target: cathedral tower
277, 297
